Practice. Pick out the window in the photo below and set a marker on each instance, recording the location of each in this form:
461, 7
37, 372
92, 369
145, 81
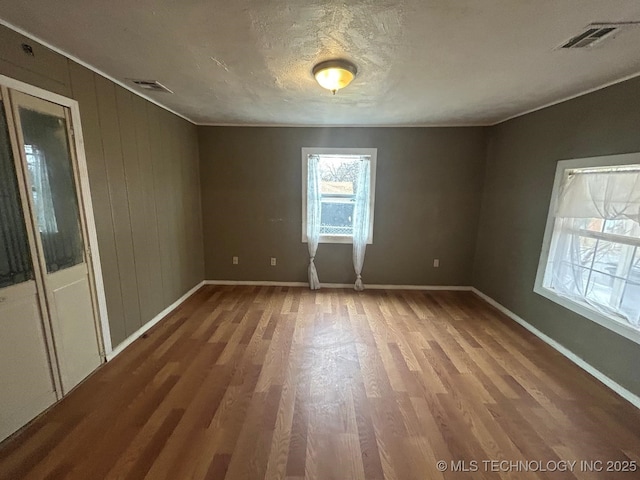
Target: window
590, 261
338, 174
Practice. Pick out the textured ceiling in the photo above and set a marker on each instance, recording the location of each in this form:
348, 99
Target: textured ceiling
421, 62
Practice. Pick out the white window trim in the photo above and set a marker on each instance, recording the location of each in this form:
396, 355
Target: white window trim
578, 307
306, 151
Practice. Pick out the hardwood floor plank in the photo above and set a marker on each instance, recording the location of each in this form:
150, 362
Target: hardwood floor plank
244, 382
218, 467
147, 457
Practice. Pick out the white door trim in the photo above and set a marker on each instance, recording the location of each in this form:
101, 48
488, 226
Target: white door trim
102, 322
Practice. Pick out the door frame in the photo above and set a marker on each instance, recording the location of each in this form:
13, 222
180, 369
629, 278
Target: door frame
96, 282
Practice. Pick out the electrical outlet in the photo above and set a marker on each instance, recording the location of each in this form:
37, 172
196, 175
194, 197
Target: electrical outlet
436, 262
273, 261
234, 260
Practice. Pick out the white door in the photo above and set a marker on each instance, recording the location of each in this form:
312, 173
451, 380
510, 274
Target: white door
26, 374
48, 159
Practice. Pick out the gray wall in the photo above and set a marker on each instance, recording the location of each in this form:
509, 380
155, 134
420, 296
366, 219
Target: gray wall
521, 162
428, 189
143, 172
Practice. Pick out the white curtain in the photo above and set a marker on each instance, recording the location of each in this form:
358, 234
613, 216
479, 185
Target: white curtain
42, 197
589, 267
601, 194
361, 214
314, 208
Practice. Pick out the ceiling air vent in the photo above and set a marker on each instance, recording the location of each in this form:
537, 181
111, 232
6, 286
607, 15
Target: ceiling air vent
593, 34
596, 32
151, 85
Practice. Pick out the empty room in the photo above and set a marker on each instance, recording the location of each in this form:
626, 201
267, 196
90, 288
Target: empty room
355, 239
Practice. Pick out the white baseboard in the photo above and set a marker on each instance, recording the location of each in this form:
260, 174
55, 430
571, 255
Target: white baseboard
138, 333
257, 283
616, 387
262, 283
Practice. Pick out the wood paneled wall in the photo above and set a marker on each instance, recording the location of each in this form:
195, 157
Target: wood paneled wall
144, 174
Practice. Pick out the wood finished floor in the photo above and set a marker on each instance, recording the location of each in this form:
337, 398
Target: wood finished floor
276, 382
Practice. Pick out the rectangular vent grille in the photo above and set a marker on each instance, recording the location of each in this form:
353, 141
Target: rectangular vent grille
592, 35
151, 85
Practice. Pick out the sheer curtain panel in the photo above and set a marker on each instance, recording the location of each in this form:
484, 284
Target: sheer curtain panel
608, 194
361, 214
314, 207
595, 251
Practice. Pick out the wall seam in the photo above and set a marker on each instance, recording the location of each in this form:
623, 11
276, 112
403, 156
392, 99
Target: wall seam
112, 222
488, 143
126, 186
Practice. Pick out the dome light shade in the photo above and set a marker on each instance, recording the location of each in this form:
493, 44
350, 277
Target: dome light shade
334, 74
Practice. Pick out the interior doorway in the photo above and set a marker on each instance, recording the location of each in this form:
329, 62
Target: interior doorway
53, 324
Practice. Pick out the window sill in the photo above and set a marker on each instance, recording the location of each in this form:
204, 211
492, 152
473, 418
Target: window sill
336, 239
586, 311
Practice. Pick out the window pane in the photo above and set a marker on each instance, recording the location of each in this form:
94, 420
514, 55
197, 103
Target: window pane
592, 224
336, 218
570, 279
329, 187
40, 189
15, 257
585, 250
53, 188
600, 289
634, 271
338, 175
626, 227
630, 303
612, 258
338, 178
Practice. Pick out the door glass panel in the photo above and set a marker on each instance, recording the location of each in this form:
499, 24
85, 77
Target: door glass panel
52, 188
15, 257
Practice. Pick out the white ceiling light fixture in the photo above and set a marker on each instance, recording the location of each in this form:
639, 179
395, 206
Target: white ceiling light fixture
334, 74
